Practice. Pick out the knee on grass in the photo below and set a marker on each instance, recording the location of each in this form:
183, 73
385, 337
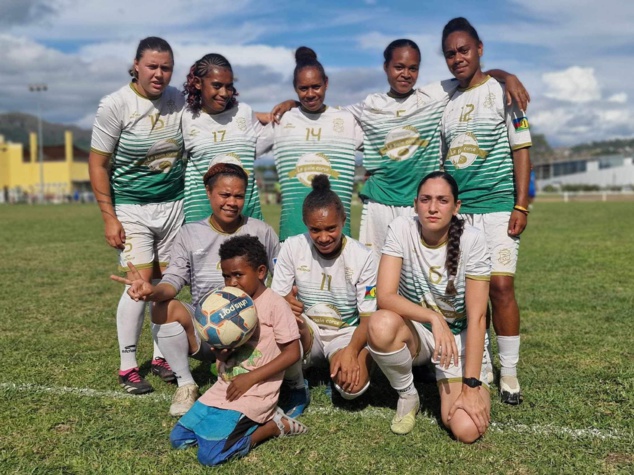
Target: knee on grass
462, 428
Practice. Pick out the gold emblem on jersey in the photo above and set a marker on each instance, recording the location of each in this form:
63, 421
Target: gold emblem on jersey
161, 156
337, 125
504, 256
311, 164
194, 132
489, 102
464, 150
303, 268
241, 123
401, 143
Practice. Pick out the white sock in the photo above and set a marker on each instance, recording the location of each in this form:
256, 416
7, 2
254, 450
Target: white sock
129, 323
157, 351
294, 375
509, 351
397, 368
172, 340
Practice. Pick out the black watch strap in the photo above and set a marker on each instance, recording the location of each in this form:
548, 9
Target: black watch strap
472, 382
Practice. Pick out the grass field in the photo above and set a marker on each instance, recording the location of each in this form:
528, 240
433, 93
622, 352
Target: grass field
61, 410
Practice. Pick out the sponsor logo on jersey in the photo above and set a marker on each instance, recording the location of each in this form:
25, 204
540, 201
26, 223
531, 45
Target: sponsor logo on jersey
370, 292
520, 124
232, 158
303, 268
311, 164
401, 143
162, 155
464, 151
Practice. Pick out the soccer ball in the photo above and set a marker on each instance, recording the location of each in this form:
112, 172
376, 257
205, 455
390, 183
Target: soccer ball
225, 318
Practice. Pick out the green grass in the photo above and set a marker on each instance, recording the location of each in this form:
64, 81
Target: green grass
63, 412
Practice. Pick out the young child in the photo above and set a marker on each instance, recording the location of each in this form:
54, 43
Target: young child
239, 410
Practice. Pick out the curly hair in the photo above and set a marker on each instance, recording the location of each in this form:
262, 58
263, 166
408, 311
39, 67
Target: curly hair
456, 227
322, 197
197, 72
307, 58
246, 246
151, 43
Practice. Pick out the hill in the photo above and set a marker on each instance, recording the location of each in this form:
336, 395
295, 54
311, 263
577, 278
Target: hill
16, 126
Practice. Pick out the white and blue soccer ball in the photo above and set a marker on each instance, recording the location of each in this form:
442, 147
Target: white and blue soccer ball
225, 318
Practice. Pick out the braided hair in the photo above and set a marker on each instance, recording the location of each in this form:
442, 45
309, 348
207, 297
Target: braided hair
456, 227
307, 58
197, 72
322, 197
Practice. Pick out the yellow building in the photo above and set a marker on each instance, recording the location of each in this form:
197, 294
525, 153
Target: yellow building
65, 170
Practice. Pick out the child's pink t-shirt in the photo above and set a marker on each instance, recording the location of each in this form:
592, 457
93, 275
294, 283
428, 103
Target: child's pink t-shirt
276, 325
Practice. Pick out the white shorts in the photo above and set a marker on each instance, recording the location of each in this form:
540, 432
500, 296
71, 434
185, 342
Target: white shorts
149, 232
452, 374
375, 218
504, 249
325, 343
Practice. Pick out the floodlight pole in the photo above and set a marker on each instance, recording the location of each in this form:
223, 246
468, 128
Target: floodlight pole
40, 88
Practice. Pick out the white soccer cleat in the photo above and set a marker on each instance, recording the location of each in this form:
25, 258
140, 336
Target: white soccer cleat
183, 399
510, 392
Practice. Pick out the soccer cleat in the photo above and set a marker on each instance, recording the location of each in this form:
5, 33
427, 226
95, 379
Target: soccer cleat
510, 392
183, 399
161, 368
294, 401
402, 425
133, 382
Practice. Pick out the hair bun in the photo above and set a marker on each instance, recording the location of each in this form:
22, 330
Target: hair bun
321, 183
304, 54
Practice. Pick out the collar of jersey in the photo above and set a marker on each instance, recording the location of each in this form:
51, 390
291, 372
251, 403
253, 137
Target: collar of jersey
219, 231
486, 78
141, 95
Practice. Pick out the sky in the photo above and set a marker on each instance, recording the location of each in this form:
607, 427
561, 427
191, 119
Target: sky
571, 55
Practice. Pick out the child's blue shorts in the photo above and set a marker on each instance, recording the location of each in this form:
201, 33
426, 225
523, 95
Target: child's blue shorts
219, 433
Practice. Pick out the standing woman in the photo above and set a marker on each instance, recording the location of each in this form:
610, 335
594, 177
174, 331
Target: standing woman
311, 140
432, 289
216, 128
136, 173
486, 149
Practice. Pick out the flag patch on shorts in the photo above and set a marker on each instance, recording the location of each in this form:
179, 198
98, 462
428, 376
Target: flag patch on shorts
520, 124
370, 292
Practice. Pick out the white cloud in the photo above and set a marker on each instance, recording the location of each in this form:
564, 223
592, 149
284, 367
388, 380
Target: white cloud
619, 98
575, 84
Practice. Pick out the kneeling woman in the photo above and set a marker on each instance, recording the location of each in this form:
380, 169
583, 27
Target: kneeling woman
432, 290
329, 280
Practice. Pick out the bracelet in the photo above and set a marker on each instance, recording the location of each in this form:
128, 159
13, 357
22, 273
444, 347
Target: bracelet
521, 209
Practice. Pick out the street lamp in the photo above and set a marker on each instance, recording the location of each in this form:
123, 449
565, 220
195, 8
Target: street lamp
40, 88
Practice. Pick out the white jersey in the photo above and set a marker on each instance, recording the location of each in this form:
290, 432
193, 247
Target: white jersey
194, 258
401, 139
479, 133
424, 276
346, 282
228, 136
144, 138
305, 145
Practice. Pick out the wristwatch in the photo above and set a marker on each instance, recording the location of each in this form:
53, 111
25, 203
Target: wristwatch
472, 382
